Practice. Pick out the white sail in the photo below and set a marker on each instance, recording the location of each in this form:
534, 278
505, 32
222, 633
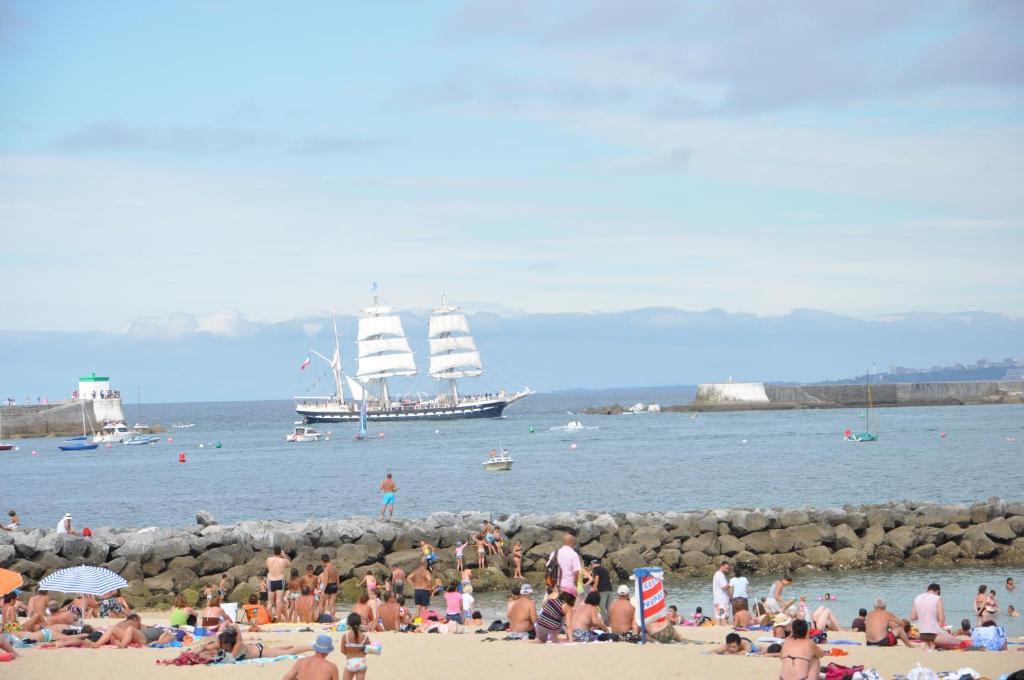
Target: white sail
378, 345
379, 325
386, 366
452, 344
448, 323
357, 390
443, 365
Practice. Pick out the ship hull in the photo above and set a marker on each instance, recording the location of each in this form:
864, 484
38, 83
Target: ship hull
486, 409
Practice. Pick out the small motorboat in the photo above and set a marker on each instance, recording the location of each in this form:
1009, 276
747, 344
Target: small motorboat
182, 426
140, 440
498, 462
6, 447
301, 433
78, 446
574, 425
113, 432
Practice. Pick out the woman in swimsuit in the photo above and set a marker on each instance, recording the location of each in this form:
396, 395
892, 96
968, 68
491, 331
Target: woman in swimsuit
517, 559
230, 642
292, 598
353, 647
369, 581
213, 616
979, 603
801, 658
182, 614
991, 608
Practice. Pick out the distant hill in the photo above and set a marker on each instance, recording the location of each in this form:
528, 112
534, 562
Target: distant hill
225, 357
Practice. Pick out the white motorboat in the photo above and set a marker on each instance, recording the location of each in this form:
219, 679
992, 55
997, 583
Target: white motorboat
140, 440
498, 461
182, 426
574, 425
301, 433
113, 433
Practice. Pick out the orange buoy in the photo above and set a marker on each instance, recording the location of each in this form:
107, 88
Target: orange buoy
181, 457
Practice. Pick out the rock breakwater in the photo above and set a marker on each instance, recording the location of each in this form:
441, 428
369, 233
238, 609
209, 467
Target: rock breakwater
159, 562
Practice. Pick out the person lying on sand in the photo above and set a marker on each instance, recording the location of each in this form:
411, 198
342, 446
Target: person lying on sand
59, 618
824, 619
45, 635
734, 644
121, 634
230, 641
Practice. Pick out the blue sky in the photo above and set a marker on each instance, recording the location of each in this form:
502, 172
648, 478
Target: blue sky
273, 160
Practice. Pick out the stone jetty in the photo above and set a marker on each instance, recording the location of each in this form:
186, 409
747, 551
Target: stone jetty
159, 562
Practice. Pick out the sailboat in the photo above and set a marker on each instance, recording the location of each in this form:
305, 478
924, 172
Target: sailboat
361, 431
867, 435
3, 446
79, 443
139, 425
383, 353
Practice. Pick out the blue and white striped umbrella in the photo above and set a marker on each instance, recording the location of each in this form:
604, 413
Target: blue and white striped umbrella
85, 579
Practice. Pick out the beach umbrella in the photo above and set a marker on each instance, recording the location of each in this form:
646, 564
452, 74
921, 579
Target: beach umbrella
9, 580
85, 579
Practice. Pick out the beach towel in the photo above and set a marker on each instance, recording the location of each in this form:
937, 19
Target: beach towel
844, 642
270, 659
835, 671
163, 645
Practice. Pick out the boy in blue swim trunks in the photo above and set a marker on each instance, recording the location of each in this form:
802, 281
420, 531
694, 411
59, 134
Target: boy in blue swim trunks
388, 488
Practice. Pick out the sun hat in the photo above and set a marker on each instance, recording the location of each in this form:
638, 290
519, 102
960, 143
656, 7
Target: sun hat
323, 644
526, 589
782, 620
623, 590
469, 588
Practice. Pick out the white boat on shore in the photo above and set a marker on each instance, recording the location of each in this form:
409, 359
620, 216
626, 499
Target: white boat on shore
301, 433
498, 462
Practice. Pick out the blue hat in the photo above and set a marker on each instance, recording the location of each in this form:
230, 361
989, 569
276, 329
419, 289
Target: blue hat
323, 644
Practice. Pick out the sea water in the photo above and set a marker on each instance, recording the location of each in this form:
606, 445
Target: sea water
647, 461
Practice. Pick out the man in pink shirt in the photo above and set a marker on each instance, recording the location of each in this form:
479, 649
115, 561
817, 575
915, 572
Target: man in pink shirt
930, 614
568, 564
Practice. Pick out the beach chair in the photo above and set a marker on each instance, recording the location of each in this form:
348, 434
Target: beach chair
231, 609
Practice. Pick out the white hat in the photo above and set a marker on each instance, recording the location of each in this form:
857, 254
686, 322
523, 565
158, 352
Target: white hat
623, 590
67, 515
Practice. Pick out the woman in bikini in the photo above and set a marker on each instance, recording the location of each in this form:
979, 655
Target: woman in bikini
353, 646
292, 597
517, 559
214, 617
991, 608
979, 603
230, 642
801, 658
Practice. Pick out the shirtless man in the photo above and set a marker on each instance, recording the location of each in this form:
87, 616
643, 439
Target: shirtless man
392, 614
315, 667
585, 618
522, 614
37, 604
277, 569
622, 613
801, 658
398, 580
882, 628
328, 583
389, 489
421, 583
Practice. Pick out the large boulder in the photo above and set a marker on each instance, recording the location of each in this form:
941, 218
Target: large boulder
846, 537
8, 555
625, 560
205, 519
949, 549
902, 538
818, 556
793, 518
706, 543
161, 583
604, 524
215, 561
29, 569
241, 593
669, 558
848, 558
759, 543
730, 545
999, 530
406, 559
649, 538
594, 550
489, 580
883, 517
744, 523
694, 559
977, 544
686, 527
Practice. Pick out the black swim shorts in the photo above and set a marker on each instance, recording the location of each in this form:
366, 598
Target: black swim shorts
422, 597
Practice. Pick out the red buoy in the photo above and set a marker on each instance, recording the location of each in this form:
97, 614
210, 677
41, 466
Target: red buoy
181, 457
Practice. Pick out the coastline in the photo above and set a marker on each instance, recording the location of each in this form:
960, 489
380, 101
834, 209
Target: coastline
159, 562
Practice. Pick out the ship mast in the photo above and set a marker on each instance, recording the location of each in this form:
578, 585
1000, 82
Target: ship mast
453, 352
384, 351
335, 361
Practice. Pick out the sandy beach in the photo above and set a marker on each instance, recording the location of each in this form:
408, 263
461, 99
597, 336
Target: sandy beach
441, 656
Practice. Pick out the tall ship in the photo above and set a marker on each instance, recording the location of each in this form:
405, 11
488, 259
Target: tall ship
383, 353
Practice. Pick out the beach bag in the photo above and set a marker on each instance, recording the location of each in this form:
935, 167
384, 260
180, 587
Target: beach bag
990, 637
922, 673
836, 671
552, 572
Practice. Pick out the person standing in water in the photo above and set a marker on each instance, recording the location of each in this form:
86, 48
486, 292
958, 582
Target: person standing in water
389, 489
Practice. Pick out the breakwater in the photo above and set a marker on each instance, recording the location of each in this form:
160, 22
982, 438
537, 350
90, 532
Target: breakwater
159, 562
59, 419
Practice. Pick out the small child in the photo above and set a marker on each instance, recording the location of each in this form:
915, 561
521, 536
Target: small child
467, 600
459, 548
803, 611
481, 551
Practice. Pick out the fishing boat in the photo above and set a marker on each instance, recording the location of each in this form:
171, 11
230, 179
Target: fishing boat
3, 446
383, 353
500, 460
140, 440
302, 433
867, 435
182, 426
79, 443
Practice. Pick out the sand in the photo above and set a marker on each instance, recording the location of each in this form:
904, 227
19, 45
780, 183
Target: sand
442, 657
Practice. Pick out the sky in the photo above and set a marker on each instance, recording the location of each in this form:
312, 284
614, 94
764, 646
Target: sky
261, 161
